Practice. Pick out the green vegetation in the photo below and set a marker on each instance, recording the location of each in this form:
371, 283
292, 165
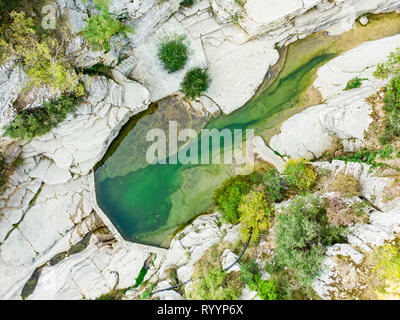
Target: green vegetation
140, 277
216, 285
3, 177
274, 186
300, 175
195, 83
354, 83
392, 96
390, 67
255, 214
41, 57
229, 195
187, 3
388, 270
27, 6
370, 157
173, 53
39, 121
302, 236
392, 109
98, 70
346, 184
249, 274
100, 28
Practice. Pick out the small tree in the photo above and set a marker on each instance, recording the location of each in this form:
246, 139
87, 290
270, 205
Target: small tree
300, 175
255, 214
229, 195
100, 28
302, 236
41, 58
274, 186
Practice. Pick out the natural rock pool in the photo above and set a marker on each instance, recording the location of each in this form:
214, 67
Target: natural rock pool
148, 203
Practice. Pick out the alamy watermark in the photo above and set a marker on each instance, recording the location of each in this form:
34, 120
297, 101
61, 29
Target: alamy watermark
208, 147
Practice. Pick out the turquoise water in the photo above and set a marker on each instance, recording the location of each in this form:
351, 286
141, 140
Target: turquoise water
147, 203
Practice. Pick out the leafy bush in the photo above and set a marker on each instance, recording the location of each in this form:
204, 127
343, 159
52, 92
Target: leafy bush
3, 178
39, 121
354, 83
229, 195
265, 289
300, 175
388, 270
302, 236
187, 3
392, 96
391, 66
41, 58
98, 70
195, 83
346, 184
173, 53
216, 285
275, 188
392, 109
255, 214
100, 28
370, 157
249, 274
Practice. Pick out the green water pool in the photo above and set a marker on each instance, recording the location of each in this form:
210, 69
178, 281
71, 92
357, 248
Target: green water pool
148, 203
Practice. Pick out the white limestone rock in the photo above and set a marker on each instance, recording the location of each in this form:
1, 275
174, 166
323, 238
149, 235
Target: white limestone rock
147, 19
227, 259
81, 140
364, 20
266, 154
12, 81
238, 70
189, 245
345, 250
95, 271
345, 115
46, 226
56, 175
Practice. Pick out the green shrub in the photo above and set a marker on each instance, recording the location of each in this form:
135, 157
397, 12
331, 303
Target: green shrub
249, 274
98, 70
370, 157
3, 178
265, 289
392, 109
229, 195
302, 236
173, 53
354, 83
391, 66
216, 285
195, 83
247, 271
388, 270
187, 3
255, 214
41, 57
300, 175
100, 28
392, 96
346, 184
39, 121
275, 188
